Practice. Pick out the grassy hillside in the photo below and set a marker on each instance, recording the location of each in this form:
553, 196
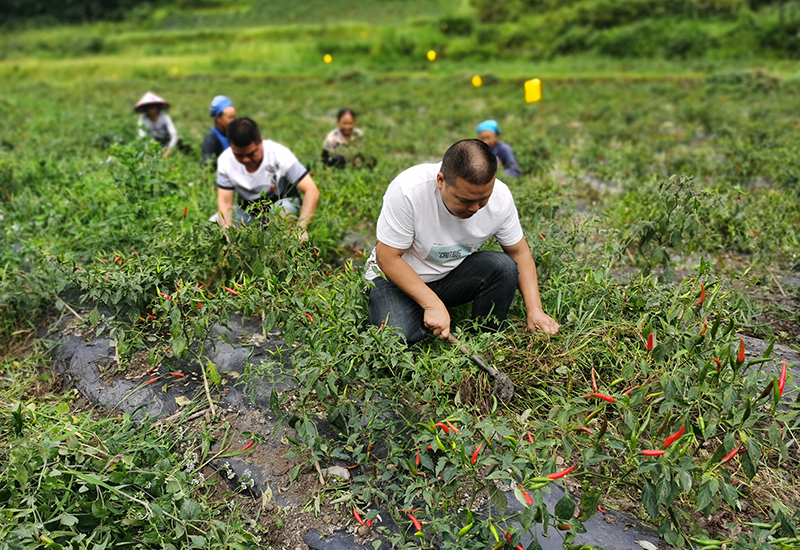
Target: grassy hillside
248, 13
291, 38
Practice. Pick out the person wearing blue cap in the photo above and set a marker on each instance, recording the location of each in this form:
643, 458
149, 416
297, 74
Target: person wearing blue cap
216, 140
488, 130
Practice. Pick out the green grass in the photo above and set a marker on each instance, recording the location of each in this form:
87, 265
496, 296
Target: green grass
313, 12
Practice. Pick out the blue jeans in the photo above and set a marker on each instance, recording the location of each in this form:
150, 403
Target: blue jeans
487, 279
242, 217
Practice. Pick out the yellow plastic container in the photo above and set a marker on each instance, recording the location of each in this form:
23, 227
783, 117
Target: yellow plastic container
533, 90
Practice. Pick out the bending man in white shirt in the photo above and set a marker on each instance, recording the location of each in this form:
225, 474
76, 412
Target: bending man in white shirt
262, 173
434, 219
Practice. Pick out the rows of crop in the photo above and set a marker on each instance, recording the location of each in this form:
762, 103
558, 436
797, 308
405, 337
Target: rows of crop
94, 215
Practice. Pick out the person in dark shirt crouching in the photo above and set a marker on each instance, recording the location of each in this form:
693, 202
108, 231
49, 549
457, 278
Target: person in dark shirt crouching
216, 140
488, 132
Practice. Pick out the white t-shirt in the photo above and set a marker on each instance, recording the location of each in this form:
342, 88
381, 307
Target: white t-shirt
414, 218
279, 171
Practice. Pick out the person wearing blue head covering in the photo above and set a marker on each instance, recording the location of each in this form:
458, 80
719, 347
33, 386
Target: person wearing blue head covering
216, 140
488, 130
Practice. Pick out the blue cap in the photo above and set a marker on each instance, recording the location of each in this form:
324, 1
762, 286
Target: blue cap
490, 125
219, 104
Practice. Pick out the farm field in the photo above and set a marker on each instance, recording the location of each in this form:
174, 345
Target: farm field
660, 201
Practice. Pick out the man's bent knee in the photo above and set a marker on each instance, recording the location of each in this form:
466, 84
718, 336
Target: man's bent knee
504, 266
391, 308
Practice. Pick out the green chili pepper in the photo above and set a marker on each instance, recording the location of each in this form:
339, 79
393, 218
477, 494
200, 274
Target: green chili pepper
465, 530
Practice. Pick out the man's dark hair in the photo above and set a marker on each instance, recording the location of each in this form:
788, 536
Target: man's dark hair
471, 160
345, 111
243, 131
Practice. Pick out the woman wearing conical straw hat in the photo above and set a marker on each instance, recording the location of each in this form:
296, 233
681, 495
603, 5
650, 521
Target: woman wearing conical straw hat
156, 122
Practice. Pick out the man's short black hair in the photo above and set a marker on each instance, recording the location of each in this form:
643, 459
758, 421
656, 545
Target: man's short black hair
243, 131
471, 160
345, 111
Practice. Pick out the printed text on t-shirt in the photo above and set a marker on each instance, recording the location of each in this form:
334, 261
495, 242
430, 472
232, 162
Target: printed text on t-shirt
444, 254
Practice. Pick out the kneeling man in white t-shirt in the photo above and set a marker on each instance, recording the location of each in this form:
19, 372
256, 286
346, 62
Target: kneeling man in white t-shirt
434, 219
262, 173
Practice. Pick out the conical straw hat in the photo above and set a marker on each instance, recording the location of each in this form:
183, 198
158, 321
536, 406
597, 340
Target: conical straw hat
150, 99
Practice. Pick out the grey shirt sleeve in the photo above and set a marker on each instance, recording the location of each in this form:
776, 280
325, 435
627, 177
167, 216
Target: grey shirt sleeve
173, 133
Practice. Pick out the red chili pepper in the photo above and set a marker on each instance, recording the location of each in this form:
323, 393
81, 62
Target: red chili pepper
107, 277
525, 494
476, 453
358, 518
179, 374
719, 364
508, 538
416, 460
653, 452
78, 268
704, 329
351, 467
199, 305
594, 380
248, 445
167, 296
230, 290
151, 380
702, 295
559, 475
310, 318
782, 380
151, 317
530, 438
671, 439
455, 431
185, 211
151, 369
730, 455
564, 526
415, 521
599, 509
104, 260
740, 357
602, 396
442, 426
650, 342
